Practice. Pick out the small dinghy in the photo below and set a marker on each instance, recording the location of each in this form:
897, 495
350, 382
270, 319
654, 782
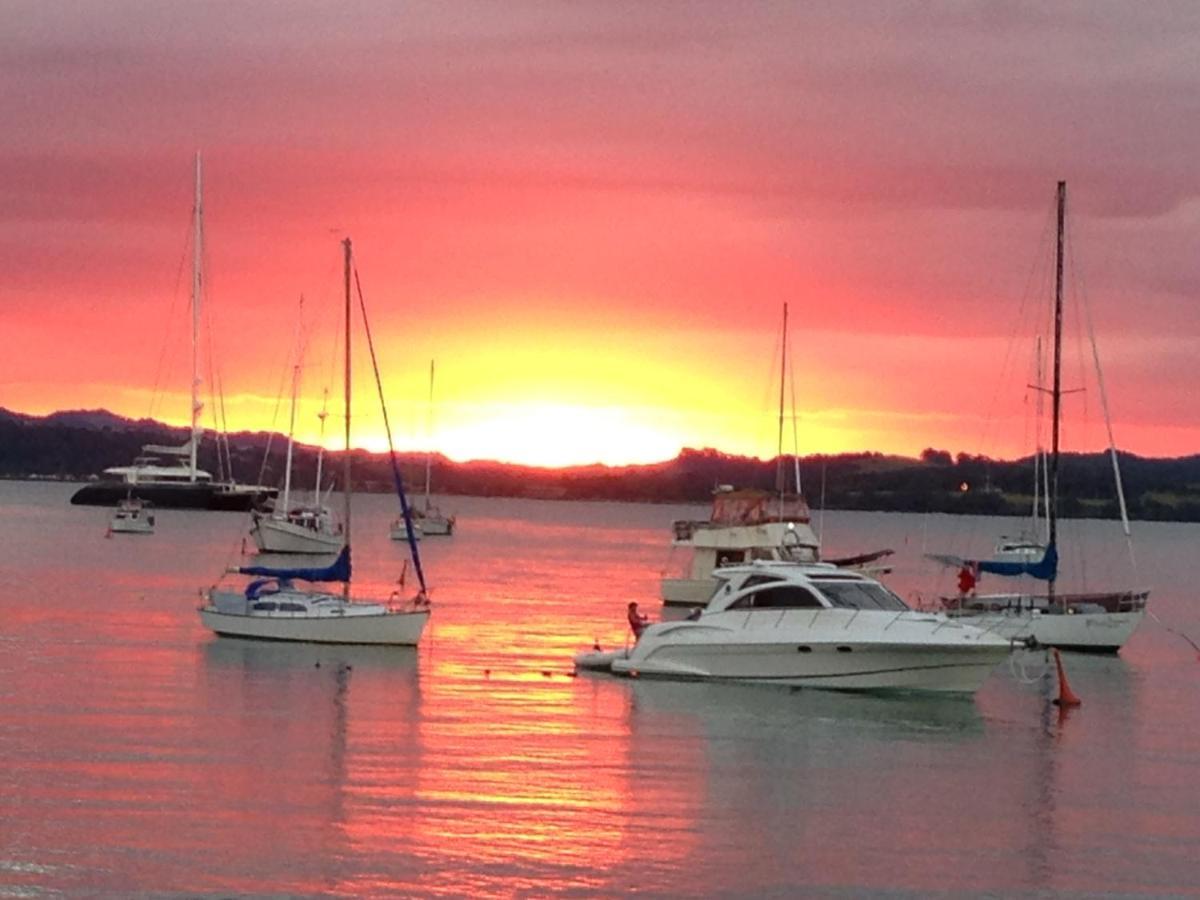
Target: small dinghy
597, 660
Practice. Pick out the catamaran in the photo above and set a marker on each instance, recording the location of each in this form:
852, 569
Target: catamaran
274, 607
168, 476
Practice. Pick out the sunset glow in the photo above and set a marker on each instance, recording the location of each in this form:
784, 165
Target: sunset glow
592, 223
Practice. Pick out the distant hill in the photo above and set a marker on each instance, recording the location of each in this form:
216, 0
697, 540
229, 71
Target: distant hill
77, 444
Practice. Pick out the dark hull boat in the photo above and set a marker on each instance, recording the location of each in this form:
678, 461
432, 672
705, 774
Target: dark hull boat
168, 476
220, 497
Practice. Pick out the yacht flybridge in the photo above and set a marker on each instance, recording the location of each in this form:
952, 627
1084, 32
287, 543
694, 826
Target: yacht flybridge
810, 625
746, 525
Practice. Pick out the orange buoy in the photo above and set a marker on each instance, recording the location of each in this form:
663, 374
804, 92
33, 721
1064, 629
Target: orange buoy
1066, 696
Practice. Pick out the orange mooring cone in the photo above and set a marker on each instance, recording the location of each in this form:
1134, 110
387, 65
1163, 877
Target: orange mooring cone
1066, 696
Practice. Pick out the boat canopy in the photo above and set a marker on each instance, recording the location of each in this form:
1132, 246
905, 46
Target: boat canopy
751, 506
164, 450
338, 571
1044, 569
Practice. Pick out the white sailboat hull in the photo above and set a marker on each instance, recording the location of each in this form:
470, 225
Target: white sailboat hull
340, 623
273, 535
1102, 632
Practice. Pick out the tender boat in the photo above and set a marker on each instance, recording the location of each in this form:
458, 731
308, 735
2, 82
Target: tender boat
131, 517
810, 625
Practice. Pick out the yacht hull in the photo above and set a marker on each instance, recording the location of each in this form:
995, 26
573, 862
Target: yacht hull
858, 667
390, 628
280, 536
174, 496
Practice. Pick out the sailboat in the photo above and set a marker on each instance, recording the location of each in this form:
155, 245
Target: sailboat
430, 520
1031, 542
304, 528
1097, 621
274, 607
168, 476
753, 524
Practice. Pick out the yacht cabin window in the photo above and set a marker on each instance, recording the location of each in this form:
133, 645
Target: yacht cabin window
860, 595
782, 596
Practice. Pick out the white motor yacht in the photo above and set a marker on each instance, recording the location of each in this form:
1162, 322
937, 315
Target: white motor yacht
746, 525
811, 625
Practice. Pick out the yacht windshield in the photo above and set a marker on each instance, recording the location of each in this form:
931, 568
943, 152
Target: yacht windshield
860, 595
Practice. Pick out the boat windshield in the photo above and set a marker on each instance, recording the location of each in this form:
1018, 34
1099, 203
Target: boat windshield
860, 595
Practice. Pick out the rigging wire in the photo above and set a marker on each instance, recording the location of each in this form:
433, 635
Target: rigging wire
404, 507
155, 397
1112, 443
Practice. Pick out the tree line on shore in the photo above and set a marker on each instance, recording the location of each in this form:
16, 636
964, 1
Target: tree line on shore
76, 446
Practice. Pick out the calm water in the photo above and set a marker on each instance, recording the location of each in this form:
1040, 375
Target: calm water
142, 755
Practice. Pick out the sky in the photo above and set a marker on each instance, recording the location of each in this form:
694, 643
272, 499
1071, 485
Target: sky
591, 215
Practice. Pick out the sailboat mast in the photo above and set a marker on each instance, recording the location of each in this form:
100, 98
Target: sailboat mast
429, 452
321, 448
779, 476
287, 471
346, 399
197, 257
1056, 391
1038, 464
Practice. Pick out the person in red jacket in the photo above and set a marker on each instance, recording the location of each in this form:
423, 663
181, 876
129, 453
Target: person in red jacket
966, 580
637, 621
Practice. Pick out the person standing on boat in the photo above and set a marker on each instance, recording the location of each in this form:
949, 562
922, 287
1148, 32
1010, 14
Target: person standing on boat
637, 621
967, 578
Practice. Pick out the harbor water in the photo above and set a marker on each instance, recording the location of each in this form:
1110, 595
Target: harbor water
144, 756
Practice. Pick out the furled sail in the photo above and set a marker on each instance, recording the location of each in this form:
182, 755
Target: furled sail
1044, 569
339, 570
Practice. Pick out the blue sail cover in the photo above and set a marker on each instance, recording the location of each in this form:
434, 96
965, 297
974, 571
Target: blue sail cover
338, 571
1045, 568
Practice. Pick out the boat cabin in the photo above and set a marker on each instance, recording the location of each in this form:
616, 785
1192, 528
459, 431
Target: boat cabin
783, 585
